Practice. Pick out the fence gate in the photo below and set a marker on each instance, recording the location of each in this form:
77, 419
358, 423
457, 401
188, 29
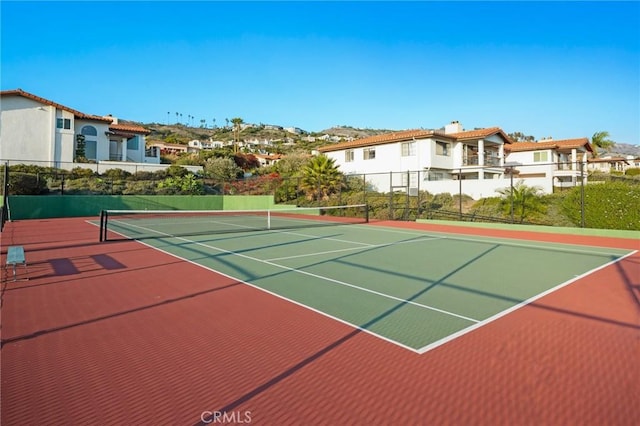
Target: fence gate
406, 183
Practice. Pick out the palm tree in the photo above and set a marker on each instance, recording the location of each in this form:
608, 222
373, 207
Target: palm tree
601, 140
177, 115
321, 178
522, 198
237, 123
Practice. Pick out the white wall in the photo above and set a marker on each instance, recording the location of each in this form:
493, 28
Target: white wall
27, 129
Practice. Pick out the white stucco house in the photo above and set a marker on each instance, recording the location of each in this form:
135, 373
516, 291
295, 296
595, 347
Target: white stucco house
453, 160
34, 130
613, 163
268, 159
434, 160
559, 163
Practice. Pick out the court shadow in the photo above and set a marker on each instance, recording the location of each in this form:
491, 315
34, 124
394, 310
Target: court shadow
107, 262
63, 266
114, 315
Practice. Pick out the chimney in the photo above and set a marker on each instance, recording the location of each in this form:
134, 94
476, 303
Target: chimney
453, 127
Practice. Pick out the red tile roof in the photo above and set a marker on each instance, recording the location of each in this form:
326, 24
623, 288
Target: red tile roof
480, 133
608, 160
76, 113
406, 135
129, 128
380, 139
550, 144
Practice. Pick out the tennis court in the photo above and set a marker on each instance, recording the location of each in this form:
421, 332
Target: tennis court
412, 288
305, 318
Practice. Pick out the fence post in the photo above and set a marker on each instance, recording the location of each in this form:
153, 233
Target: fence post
511, 194
460, 195
391, 195
364, 187
582, 195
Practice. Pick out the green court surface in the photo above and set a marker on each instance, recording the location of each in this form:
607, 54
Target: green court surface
411, 288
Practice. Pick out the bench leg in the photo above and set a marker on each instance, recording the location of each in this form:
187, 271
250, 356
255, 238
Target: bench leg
15, 272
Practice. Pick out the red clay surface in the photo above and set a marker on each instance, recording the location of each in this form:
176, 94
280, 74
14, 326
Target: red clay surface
117, 333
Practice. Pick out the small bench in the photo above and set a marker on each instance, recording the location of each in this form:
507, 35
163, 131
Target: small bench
15, 257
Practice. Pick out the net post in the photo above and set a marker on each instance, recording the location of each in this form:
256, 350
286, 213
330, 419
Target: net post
269, 219
101, 224
366, 213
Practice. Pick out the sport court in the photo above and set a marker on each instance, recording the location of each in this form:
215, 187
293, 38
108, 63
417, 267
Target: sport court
414, 289
122, 332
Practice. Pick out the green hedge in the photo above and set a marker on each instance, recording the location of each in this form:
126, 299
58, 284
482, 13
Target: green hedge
610, 205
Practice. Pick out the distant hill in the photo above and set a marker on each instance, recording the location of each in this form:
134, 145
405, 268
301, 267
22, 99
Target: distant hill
353, 132
180, 133
622, 149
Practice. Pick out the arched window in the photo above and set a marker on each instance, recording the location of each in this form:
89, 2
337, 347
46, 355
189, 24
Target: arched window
89, 131
90, 142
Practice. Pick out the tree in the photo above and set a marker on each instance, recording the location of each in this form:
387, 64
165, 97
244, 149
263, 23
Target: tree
521, 137
321, 178
237, 126
601, 140
246, 161
222, 169
525, 200
292, 164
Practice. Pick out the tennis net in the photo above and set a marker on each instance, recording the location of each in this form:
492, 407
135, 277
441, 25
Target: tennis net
140, 224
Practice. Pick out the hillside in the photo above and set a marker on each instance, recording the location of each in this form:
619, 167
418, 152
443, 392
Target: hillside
181, 134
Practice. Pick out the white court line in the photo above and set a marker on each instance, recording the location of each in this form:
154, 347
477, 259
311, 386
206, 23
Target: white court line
340, 320
369, 246
515, 307
343, 283
477, 324
570, 248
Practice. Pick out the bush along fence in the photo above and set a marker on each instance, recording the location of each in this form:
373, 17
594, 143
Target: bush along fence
593, 201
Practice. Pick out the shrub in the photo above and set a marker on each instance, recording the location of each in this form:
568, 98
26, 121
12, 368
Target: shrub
79, 172
176, 171
610, 205
115, 174
633, 172
141, 187
143, 175
187, 185
26, 184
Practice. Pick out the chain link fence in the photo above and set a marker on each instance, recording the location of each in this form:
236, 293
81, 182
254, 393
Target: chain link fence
514, 194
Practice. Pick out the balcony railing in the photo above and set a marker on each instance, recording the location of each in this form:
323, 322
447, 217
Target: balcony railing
474, 160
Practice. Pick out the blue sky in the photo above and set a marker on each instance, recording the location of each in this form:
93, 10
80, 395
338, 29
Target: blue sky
560, 69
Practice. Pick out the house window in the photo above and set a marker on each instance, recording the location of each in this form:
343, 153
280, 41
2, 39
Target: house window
435, 175
89, 131
442, 148
408, 149
348, 156
63, 123
369, 153
132, 144
539, 157
90, 142
90, 150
